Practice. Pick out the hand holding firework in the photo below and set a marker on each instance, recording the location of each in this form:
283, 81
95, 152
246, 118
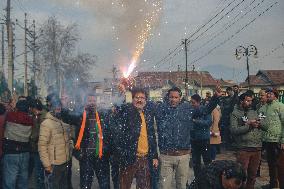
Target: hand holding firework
125, 83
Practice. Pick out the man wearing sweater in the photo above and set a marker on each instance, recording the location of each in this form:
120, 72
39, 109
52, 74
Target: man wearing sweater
16, 147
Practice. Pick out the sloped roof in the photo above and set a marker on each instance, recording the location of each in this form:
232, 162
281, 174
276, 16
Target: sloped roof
226, 83
266, 78
255, 81
275, 77
160, 79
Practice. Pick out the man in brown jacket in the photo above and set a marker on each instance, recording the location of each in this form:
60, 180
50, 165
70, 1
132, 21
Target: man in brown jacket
54, 147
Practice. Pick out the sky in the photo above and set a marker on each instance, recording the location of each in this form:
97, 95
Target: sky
110, 30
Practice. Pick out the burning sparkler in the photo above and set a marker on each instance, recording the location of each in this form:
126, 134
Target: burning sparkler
151, 17
131, 21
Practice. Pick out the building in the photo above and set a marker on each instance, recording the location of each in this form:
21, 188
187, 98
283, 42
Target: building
158, 83
266, 78
106, 92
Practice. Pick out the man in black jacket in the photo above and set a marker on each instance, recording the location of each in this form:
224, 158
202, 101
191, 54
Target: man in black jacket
135, 141
222, 174
91, 148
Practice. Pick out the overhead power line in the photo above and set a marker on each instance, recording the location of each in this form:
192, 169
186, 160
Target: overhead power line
233, 35
173, 52
216, 22
227, 27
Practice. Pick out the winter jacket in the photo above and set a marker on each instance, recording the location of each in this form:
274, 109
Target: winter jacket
17, 132
126, 126
54, 141
174, 124
274, 122
210, 176
85, 150
244, 136
37, 120
201, 127
215, 137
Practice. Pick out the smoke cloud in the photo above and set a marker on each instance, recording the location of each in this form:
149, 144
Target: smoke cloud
131, 21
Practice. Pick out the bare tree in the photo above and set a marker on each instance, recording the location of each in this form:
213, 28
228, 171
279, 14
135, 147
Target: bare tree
56, 44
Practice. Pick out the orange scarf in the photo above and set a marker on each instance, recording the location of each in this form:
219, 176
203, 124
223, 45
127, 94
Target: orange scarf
100, 134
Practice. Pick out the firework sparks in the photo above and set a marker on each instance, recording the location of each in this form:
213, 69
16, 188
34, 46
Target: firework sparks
131, 23
152, 15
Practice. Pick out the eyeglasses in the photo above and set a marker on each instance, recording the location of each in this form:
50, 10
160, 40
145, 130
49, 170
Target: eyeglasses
139, 97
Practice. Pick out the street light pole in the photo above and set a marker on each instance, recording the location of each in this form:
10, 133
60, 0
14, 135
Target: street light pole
186, 71
248, 70
242, 51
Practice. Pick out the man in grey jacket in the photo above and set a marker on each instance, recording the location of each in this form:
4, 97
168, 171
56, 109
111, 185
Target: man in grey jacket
246, 132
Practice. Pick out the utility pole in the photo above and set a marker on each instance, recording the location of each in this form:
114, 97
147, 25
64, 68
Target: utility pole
114, 78
186, 71
10, 48
192, 78
34, 50
25, 59
3, 51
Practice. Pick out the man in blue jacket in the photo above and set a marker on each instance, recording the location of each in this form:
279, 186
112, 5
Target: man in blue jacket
200, 136
174, 123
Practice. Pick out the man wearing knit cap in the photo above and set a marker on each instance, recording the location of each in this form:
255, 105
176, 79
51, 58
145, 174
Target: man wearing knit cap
273, 137
54, 147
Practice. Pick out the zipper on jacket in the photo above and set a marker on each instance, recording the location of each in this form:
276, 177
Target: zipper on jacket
54, 152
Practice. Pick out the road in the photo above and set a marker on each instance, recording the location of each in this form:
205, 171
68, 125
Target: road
262, 180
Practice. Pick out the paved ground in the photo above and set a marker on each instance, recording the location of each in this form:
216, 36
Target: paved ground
261, 181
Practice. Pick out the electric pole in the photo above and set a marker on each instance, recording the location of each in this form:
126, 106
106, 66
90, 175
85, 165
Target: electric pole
25, 59
10, 48
186, 71
114, 78
3, 51
34, 50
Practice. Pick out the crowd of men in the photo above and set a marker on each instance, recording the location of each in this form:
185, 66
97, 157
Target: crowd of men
152, 142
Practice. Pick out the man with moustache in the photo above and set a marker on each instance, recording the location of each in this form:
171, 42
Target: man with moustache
135, 141
91, 146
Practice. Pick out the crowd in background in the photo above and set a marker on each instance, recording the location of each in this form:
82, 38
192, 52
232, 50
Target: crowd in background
154, 142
